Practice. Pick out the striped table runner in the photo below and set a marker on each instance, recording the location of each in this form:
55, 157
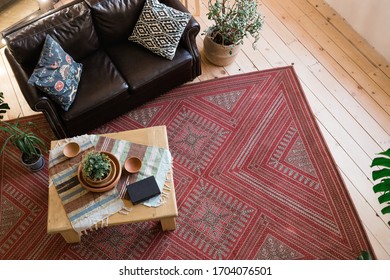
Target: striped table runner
86, 209
156, 162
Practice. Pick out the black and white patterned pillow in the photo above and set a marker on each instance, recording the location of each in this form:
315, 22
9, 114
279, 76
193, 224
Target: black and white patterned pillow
159, 28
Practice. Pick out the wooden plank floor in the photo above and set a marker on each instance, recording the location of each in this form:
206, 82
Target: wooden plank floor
345, 80
15, 11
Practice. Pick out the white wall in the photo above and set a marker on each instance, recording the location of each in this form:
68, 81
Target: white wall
370, 18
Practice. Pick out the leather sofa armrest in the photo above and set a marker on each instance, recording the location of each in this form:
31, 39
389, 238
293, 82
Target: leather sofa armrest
188, 39
47, 107
30, 93
35, 99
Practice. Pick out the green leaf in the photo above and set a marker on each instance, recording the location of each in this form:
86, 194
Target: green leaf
364, 256
386, 210
5, 144
383, 186
378, 174
385, 153
380, 161
37, 140
4, 106
384, 198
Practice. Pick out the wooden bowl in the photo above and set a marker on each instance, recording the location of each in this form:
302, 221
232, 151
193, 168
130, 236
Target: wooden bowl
71, 149
133, 164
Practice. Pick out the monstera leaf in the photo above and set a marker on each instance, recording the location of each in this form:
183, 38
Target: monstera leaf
3, 106
364, 256
383, 176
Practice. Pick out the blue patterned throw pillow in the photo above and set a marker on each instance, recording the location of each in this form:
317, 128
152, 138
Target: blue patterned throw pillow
159, 28
57, 74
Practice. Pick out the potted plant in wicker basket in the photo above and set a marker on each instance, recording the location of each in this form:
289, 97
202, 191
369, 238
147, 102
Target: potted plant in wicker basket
97, 168
22, 138
233, 21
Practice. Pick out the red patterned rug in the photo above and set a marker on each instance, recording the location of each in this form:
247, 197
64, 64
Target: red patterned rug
253, 176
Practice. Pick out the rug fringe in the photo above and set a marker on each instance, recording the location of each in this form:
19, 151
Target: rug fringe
125, 210
99, 225
166, 188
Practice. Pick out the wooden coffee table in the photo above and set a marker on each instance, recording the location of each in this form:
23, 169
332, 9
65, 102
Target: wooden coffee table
58, 222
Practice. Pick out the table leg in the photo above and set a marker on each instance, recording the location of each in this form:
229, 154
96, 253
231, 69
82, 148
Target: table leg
168, 224
71, 236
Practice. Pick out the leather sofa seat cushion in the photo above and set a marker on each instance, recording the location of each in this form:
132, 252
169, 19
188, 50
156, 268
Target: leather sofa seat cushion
145, 70
71, 27
115, 19
101, 85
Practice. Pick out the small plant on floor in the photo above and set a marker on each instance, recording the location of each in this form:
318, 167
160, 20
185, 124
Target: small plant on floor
96, 166
383, 175
20, 136
234, 20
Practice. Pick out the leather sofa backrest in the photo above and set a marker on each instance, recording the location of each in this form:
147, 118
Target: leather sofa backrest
115, 19
72, 27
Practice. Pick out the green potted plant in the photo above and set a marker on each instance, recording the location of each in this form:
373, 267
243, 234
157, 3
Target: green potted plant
23, 138
383, 174
233, 21
97, 168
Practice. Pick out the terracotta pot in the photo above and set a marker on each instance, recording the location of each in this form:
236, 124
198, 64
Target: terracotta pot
218, 54
36, 165
112, 182
105, 181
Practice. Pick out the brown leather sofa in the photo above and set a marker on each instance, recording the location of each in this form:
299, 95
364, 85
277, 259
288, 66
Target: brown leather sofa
117, 76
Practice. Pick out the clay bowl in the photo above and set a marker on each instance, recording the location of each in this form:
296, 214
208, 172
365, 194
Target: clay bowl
133, 164
71, 149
